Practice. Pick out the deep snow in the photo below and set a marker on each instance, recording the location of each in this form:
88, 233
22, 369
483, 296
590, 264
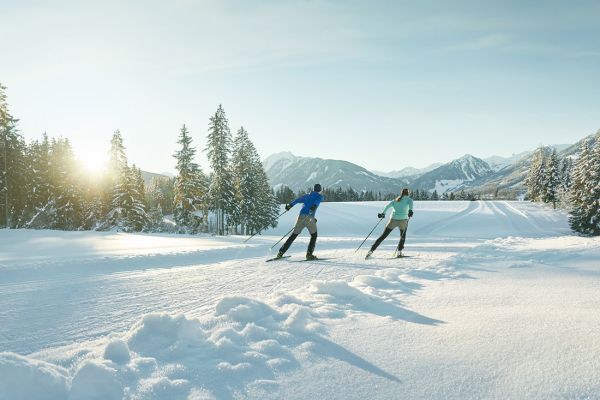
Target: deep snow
498, 301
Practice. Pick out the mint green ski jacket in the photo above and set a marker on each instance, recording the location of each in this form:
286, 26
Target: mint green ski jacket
400, 207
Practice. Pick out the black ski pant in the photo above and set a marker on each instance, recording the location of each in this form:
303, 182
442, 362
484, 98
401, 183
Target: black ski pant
385, 234
293, 236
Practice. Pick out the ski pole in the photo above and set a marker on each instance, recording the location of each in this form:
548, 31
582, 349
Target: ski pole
283, 237
264, 227
363, 242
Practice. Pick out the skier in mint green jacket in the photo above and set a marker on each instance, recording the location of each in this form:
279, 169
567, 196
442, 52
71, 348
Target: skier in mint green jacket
403, 210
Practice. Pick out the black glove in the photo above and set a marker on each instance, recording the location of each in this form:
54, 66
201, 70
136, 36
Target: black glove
410, 213
288, 207
381, 215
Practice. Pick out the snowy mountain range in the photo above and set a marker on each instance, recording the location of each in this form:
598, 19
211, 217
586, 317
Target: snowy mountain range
504, 175
454, 175
300, 173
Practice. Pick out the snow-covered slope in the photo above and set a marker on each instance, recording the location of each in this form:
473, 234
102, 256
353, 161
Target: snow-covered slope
499, 162
408, 173
453, 175
510, 179
496, 301
300, 173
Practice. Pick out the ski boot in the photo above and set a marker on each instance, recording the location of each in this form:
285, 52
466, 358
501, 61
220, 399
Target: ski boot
279, 255
369, 254
399, 254
311, 257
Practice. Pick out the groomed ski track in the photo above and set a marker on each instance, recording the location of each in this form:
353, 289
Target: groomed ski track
456, 318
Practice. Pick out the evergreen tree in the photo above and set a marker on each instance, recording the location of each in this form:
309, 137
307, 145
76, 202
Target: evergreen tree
40, 178
244, 180
536, 175
136, 215
551, 181
585, 193
66, 198
221, 191
593, 207
285, 195
116, 163
121, 185
13, 185
256, 205
434, 195
566, 167
190, 185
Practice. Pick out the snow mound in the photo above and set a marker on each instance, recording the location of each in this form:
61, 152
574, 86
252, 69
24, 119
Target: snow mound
96, 380
26, 378
245, 343
117, 351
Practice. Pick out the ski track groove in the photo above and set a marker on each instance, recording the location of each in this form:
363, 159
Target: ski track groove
74, 305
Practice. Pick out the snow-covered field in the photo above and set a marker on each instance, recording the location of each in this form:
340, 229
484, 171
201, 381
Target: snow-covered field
498, 300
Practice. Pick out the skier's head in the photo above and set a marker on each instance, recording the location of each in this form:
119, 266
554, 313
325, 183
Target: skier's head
404, 193
317, 188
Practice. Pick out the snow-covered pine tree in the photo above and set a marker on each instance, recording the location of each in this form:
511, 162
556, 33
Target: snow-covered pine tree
190, 184
66, 196
117, 161
551, 181
13, 185
566, 171
137, 216
244, 181
267, 211
593, 207
581, 196
121, 201
536, 175
221, 191
434, 195
257, 206
116, 199
42, 186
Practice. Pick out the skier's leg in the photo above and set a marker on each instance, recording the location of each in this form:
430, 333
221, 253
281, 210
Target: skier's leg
312, 228
287, 244
381, 238
311, 245
300, 223
403, 228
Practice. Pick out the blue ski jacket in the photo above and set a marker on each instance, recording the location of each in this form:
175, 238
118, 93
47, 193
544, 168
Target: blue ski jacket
311, 201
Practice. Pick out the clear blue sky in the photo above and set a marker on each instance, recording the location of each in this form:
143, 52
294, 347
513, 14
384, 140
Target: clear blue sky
385, 84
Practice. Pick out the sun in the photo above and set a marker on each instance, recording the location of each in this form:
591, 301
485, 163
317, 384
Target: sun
93, 162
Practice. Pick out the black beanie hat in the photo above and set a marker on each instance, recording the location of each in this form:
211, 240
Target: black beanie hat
317, 187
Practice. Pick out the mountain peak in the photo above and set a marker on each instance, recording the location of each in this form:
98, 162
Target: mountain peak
285, 156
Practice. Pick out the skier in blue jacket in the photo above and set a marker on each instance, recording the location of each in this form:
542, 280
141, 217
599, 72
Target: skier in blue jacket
306, 219
403, 211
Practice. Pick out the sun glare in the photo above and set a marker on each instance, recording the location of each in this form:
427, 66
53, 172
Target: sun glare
93, 163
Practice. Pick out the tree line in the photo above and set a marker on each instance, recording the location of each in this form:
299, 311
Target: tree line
42, 186
337, 194
572, 183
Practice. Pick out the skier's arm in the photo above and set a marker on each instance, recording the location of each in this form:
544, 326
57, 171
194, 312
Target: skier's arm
387, 207
298, 200
410, 208
382, 214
